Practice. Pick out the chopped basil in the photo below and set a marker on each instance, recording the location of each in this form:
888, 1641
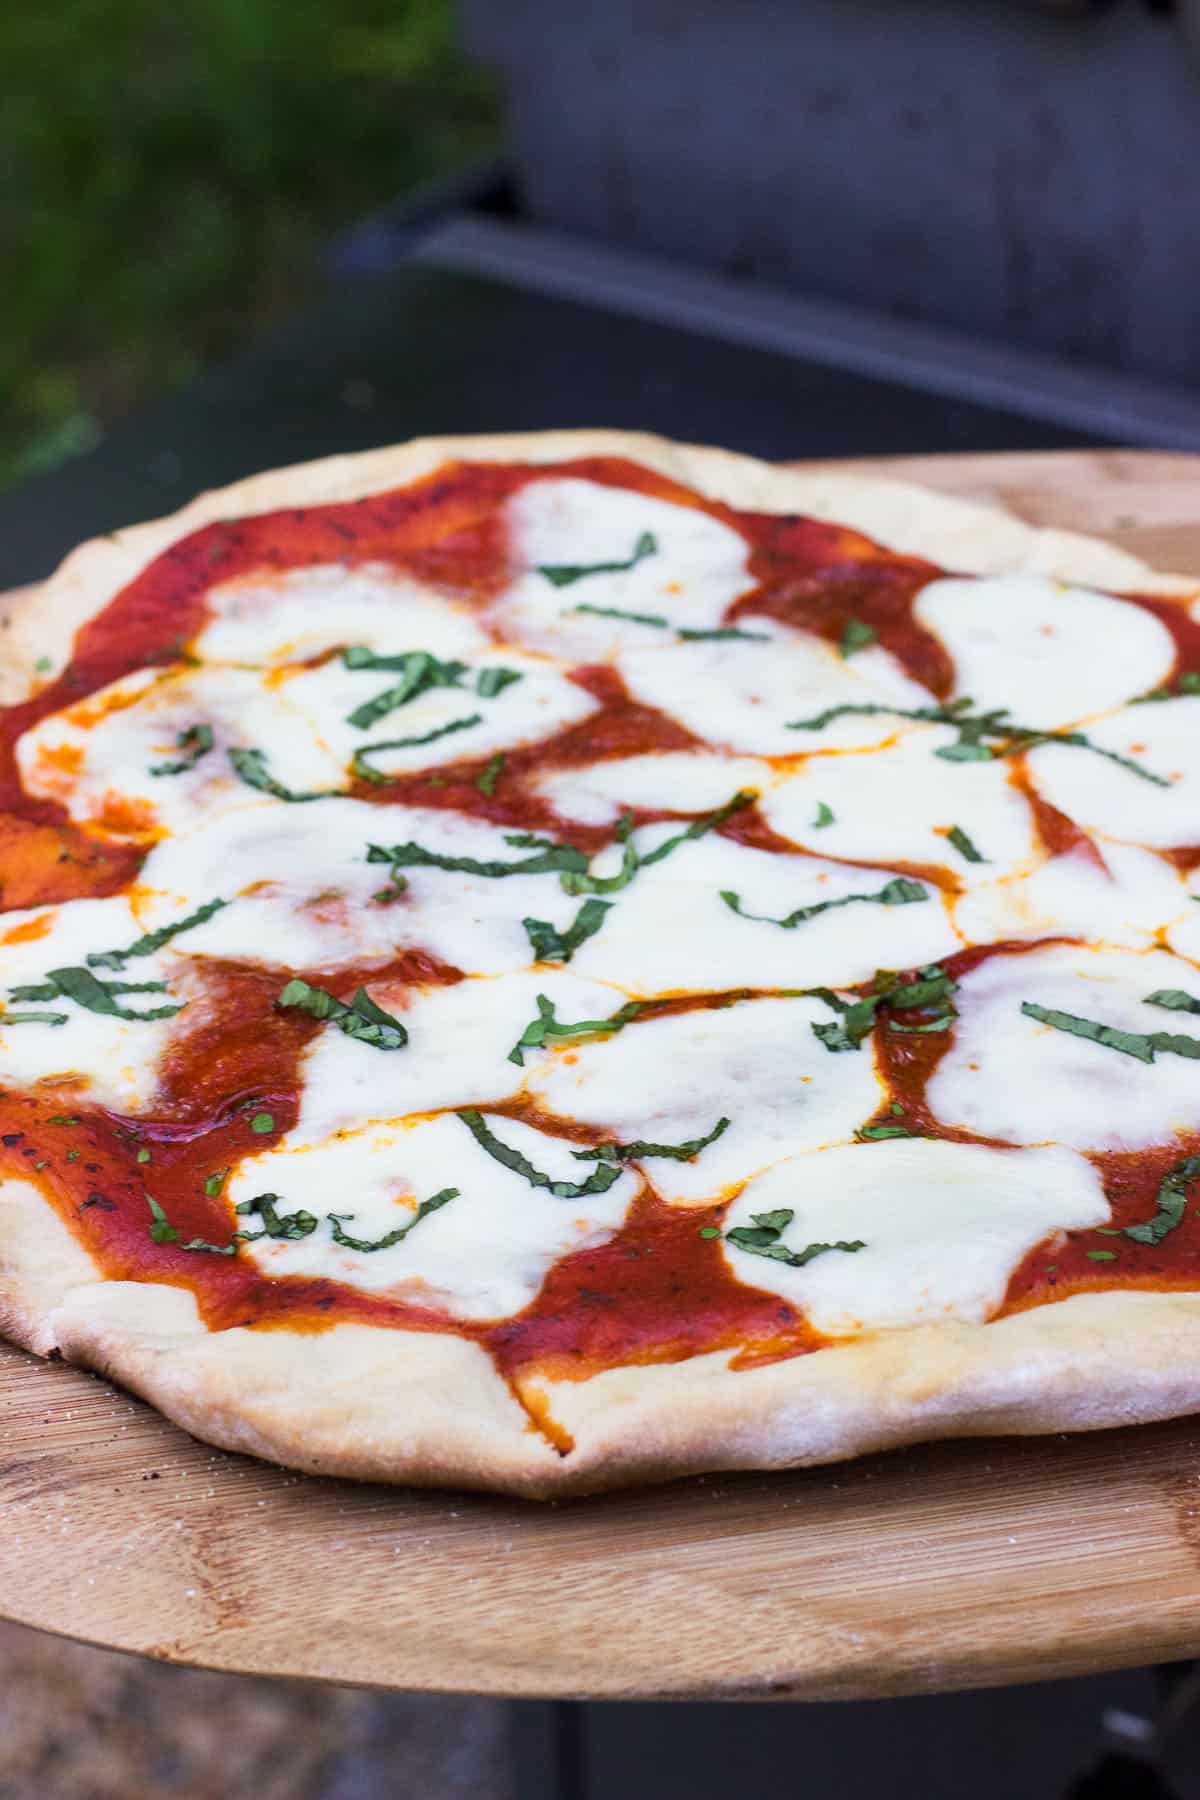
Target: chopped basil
689, 634
289, 1226
490, 682
856, 636
363, 769
62, 1119
721, 634
1172, 1200
897, 892
551, 945
632, 860
825, 816
856, 1021
1187, 683
33, 1018
262, 1122
1102, 1255
154, 940
196, 742
362, 1019
1141, 1044
275, 1225
963, 845
409, 663
762, 1238
161, 1229
490, 775
143, 1156
80, 985
1174, 999
392, 1237
420, 672
933, 988
619, 612
870, 1133
215, 1182
598, 1182
564, 574
546, 1025
554, 859
43, 665
251, 767
972, 728
640, 1148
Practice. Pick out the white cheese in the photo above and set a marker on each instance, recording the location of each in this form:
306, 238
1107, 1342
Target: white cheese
670, 1080
1163, 736
697, 569
1011, 1077
460, 1039
483, 1255
900, 803
96, 758
943, 1227
1029, 643
677, 780
1120, 896
287, 617
671, 932
747, 696
541, 702
94, 1056
304, 889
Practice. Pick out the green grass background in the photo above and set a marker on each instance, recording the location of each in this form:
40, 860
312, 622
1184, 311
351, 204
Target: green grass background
168, 169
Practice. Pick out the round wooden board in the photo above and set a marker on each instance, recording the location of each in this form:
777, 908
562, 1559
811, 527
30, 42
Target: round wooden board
950, 1565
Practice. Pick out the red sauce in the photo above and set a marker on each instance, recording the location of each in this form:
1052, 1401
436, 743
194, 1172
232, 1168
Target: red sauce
658, 1291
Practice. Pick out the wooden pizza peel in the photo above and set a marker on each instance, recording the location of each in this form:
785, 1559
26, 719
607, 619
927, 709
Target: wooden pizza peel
950, 1565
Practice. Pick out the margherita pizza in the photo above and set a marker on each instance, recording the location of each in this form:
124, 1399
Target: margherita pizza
538, 963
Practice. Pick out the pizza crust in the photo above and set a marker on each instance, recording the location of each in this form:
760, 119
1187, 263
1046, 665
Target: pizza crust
959, 534
431, 1409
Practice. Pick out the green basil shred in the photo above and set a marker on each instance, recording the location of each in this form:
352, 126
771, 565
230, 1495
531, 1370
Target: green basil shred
898, 892
360, 1019
564, 574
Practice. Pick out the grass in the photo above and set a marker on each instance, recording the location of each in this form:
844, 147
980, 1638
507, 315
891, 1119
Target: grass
167, 173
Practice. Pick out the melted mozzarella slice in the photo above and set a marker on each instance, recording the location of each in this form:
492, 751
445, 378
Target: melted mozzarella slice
697, 569
1029, 643
1011, 1077
97, 758
899, 805
303, 890
1123, 898
483, 1255
669, 1080
943, 1227
1163, 736
540, 702
460, 1039
671, 932
263, 619
746, 696
678, 781
93, 1056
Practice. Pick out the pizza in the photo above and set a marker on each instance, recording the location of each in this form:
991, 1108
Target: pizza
543, 962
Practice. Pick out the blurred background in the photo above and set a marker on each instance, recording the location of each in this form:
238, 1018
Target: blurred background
168, 175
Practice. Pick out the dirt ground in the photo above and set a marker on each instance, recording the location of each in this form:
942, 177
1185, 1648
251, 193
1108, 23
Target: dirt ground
84, 1724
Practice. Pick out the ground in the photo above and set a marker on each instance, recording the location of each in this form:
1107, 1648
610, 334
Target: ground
84, 1724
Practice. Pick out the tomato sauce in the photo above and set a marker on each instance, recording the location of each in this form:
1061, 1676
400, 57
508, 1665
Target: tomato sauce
658, 1290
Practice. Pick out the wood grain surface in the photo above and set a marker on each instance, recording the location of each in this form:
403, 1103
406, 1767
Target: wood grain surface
950, 1565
